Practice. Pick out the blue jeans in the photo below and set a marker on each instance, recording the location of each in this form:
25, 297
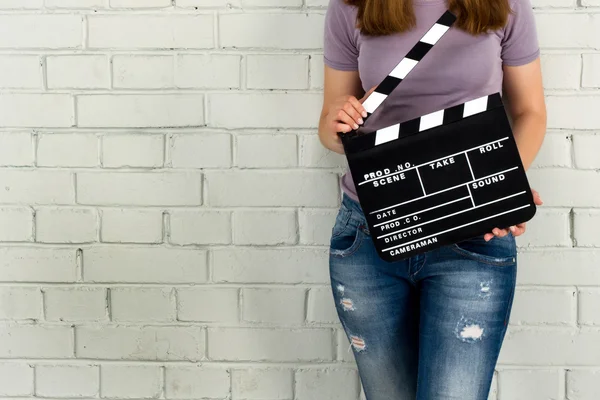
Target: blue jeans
429, 327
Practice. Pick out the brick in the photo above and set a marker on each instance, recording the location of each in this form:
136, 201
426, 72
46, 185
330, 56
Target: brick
16, 224
553, 3
20, 303
131, 226
16, 149
294, 265
130, 381
584, 150
142, 304
63, 225
218, 71
578, 35
77, 72
589, 307
267, 151
321, 306
274, 189
207, 3
151, 31
36, 110
77, 4
549, 227
142, 72
16, 379
258, 384
531, 346
36, 187
264, 227
208, 304
140, 343
202, 150
196, 382
264, 110
116, 150
315, 225
144, 265
559, 267
317, 68
582, 384
569, 183
138, 111
21, 4
20, 71
75, 304
539, 384
331, 384
555, 151
561, 71
67, 380
35, 264
239, 31
571, 112
279, 71
268, 344
67, 150
200, 227
586, 227
36, 341
272, 3
139, 188
548, 306
140, 4
55, 31
313, 154
591, 64
278, 306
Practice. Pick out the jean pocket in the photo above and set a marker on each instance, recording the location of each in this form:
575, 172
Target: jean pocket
500, 251
347, 241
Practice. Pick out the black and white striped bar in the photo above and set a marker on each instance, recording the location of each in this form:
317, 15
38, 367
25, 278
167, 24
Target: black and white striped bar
412, 58
428, 121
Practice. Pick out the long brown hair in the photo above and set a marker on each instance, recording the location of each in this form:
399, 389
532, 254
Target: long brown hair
384, 17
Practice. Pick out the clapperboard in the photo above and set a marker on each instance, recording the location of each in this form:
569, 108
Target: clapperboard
441, 178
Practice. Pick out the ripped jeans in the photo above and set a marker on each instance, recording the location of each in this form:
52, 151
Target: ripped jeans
429, 327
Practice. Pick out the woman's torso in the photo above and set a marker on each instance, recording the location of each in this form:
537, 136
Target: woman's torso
460, 67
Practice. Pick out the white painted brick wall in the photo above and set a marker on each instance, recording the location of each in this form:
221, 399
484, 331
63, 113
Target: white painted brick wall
166, 206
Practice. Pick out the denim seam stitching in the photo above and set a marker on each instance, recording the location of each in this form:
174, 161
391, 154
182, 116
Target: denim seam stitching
354, 247
482, 259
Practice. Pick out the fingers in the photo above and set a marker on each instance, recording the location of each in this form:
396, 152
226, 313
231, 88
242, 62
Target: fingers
488, 236
345, 121
358, 107
351, 109
537, 199
500, 232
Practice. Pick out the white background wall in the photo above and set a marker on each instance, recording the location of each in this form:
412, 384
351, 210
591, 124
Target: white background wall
165, 206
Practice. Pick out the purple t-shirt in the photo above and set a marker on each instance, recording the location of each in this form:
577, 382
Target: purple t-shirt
460, 67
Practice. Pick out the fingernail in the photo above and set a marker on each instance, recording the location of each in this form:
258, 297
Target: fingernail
512, 228
364, 114
360, 121
355, 126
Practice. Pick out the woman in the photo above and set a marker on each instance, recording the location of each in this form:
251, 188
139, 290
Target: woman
429, 327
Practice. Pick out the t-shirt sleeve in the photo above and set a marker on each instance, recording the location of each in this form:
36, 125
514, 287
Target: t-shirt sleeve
520, 42
339, 47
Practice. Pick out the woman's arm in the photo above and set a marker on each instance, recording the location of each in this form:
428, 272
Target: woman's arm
524, 98
524, 93
341, 111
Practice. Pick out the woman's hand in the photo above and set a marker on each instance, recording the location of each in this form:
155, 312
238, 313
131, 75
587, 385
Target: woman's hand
345, 114
516, 230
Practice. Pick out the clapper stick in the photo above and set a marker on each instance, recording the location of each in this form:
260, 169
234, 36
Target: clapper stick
402, 69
